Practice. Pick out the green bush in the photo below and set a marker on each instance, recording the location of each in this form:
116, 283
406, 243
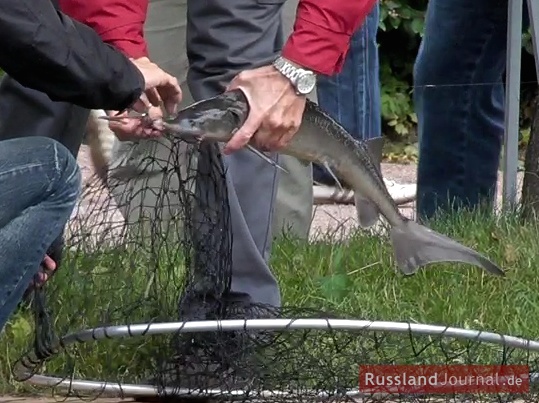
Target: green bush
401, 30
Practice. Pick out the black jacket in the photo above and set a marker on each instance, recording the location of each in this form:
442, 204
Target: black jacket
46, 50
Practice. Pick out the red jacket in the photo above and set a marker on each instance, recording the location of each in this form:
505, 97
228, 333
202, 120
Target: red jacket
319, 42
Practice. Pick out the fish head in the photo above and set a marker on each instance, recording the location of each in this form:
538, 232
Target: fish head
214, 119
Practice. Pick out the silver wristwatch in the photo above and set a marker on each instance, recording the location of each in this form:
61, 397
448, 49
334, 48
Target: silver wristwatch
303, 80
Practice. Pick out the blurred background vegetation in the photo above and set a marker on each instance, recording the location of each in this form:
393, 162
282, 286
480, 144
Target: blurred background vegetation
399, 36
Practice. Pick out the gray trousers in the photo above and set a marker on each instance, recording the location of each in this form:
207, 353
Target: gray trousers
166, 30
216, 46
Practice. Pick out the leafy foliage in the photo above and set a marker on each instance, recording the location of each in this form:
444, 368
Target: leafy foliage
401, 29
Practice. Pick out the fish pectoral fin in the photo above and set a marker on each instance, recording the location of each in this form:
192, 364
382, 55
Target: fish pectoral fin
266, 158
367, 212
415, 246
330, 171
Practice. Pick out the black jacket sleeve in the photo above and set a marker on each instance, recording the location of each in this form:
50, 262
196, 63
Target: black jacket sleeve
46, 50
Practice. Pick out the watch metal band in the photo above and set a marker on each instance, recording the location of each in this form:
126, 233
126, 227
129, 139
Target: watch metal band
289, 70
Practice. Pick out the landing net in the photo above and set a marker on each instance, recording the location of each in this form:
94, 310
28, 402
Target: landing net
145, 258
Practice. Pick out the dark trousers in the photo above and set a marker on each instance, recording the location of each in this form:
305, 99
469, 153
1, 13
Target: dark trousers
459, 100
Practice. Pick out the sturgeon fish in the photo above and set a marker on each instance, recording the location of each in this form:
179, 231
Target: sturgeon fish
322, 140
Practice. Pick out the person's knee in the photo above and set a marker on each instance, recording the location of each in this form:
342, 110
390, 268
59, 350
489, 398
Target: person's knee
69, 174
56, 162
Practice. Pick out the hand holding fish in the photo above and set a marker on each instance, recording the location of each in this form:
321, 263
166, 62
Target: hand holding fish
128, 128
275, 113
160, 87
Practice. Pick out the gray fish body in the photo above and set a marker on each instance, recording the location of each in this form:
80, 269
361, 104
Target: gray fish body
322, 140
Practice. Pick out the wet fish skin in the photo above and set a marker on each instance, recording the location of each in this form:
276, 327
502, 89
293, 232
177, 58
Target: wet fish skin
322, 140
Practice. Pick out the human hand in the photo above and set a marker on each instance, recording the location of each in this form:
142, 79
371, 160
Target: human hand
46, 270
275, 113
160, 87
47, 267
126, 129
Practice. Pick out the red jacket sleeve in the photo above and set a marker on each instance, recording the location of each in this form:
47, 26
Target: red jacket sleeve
322, 31
118, 22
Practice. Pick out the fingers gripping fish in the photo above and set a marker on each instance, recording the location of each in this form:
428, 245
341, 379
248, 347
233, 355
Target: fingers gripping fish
322, 140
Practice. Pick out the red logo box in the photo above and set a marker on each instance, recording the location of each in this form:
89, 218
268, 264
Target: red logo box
444, 379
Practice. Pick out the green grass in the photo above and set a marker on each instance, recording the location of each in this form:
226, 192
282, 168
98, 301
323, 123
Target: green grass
356, 277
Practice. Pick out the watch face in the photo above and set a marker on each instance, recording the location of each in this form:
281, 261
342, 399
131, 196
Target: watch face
306, 83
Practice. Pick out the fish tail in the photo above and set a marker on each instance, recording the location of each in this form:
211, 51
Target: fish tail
415, 246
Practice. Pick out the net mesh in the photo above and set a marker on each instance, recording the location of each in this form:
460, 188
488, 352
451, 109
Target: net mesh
158, 250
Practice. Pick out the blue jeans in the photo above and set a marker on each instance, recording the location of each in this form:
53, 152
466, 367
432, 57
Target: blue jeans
40, 182
459, 101
352, 97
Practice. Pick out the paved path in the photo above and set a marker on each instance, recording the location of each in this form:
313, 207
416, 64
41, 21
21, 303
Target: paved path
327, 218
341, 219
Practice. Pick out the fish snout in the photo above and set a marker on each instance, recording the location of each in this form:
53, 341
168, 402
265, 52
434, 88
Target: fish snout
184, 132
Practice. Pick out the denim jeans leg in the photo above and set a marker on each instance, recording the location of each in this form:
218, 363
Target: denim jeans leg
352, 97
40, 182
459, 102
